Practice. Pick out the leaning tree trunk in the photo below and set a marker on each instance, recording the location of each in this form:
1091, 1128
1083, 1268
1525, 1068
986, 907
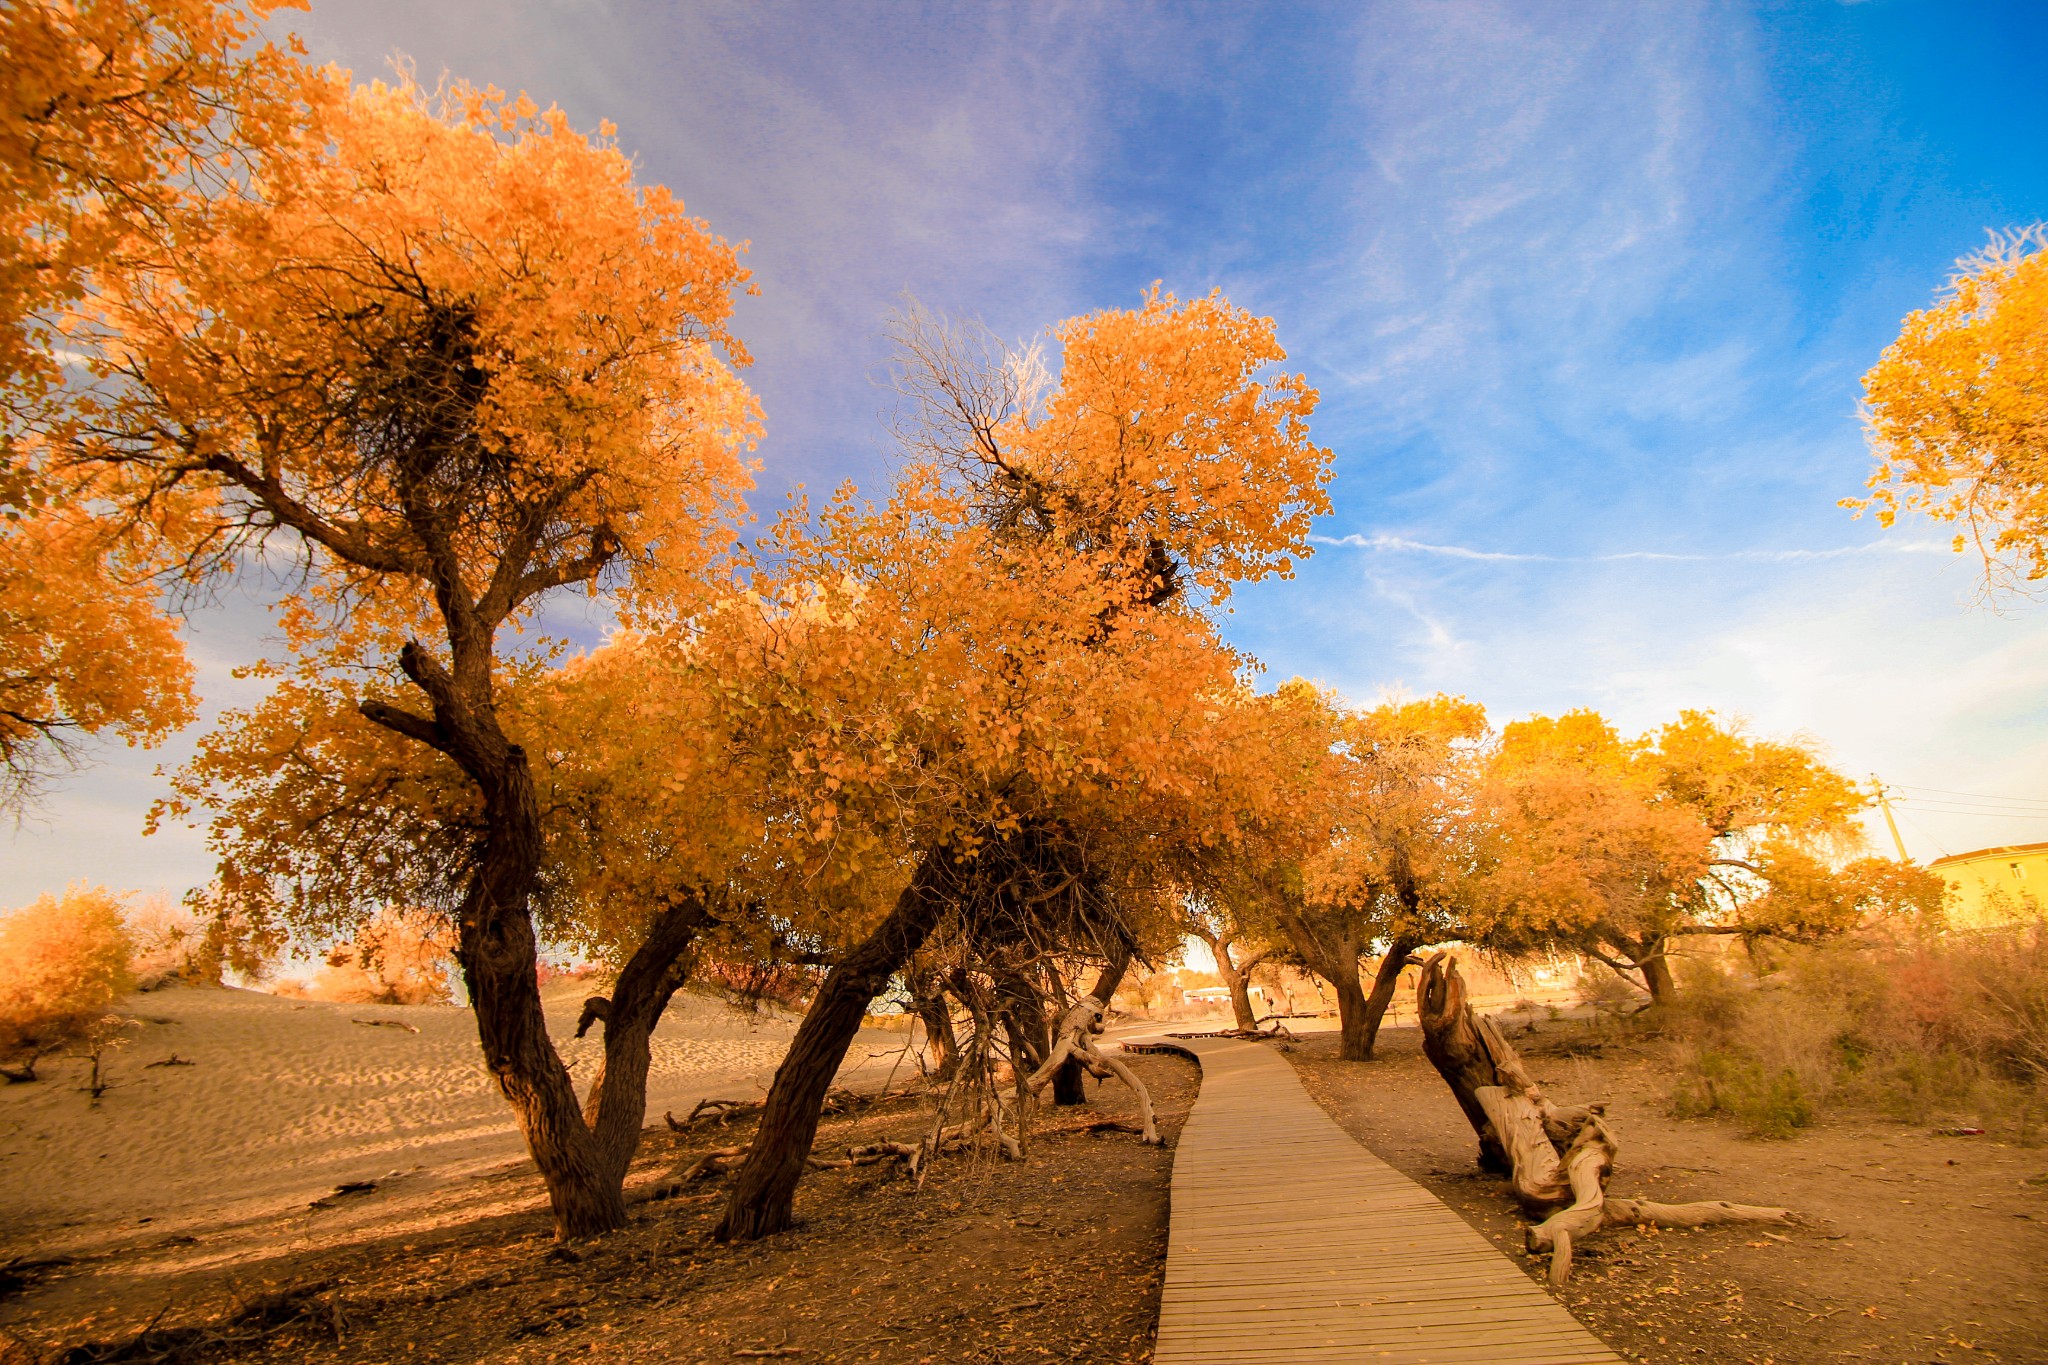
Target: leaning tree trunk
1559, 1157
615, 1109
1069, 1081
1384, 982
1656, 965
764, 1191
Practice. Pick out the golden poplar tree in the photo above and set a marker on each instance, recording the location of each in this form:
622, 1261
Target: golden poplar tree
1958, 411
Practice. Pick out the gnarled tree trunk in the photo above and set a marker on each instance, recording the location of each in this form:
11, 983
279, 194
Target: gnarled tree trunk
1335, 959
615, 1109
1075, 1041
765, 1189
1069, 1085
1560, 1157
581, 1151
498, 955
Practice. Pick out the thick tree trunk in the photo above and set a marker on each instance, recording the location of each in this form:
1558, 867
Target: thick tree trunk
498, 956
1337, 963
1240, 984
1069, 1083
1383, 983
1656, 965
765, 1188
1354, 1037
1452, 1041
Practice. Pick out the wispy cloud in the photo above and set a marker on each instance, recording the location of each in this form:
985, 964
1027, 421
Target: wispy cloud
1402, 545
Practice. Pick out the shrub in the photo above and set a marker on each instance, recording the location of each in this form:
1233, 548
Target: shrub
63, 962
1606, 991
1768, 1103
1951, 1025
199, 942
398, 957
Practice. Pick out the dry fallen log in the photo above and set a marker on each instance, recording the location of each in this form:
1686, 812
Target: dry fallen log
711, 1163
1559, 1157
1256, 1035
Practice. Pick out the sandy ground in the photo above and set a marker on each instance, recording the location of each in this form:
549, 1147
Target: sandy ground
284, 1100
1909, 1246
988, 1262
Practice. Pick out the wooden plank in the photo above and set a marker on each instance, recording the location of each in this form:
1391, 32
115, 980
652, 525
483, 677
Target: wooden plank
1290, 1242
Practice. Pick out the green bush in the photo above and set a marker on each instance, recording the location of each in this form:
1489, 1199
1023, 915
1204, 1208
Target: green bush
1947, 1028
1767, 1103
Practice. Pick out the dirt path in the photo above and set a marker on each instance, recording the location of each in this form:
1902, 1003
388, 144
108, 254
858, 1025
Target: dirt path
1056, 1257
1911, 1247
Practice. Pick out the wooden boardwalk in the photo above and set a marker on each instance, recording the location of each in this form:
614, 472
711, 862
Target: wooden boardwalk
1290, 1242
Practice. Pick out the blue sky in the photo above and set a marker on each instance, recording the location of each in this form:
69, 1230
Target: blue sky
1587, 289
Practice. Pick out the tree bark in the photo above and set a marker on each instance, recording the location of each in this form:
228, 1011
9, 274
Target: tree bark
1656, 965
1354, 1039
1336, 963
498, 956
765, 1189
1452, 1042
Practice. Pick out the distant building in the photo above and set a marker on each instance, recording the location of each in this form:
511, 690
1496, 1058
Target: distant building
1993, 885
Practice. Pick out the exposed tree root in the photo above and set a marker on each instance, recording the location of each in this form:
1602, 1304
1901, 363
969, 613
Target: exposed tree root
1559, 1157
1075, 1038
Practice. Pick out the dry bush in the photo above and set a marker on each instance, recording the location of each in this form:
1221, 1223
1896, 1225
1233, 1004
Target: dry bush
1606, 991
749, 985
1951, 1026
63, 962
398, 957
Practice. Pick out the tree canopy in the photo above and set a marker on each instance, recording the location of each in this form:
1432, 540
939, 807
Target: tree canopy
1957, 410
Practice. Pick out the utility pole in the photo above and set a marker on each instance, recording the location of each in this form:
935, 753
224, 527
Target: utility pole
1884, 803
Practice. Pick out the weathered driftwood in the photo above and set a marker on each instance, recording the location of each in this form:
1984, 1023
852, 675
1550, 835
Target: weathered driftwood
1559, 1157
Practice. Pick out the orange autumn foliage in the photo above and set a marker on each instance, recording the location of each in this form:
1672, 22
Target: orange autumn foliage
468, 275
84, 648
1620, 847
1957, 410
115, 117
63, 962
119, 119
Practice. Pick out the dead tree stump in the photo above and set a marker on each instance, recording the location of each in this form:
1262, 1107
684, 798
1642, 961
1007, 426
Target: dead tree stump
1559, 1157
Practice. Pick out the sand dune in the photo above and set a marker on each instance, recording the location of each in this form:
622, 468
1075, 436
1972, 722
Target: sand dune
285, 1099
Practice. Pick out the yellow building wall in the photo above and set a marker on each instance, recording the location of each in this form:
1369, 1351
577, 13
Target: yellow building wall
1996, 885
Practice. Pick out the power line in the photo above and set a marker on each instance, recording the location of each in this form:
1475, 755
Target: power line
1976, 796
1944, 808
